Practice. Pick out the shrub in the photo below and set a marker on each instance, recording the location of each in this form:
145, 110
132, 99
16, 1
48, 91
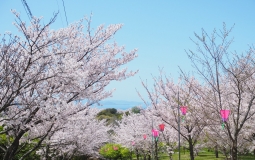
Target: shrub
114, 151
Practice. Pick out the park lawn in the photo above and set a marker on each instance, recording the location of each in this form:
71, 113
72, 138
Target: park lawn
246, 157
204, 155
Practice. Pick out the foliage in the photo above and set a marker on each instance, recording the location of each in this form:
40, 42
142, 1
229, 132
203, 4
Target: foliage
111, 115
114, 151
125, 152
108, 111
25, 148
135, 109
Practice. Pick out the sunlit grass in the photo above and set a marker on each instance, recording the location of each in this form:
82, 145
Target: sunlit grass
204, 155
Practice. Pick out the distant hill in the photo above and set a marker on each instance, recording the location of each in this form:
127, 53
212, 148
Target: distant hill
119, 104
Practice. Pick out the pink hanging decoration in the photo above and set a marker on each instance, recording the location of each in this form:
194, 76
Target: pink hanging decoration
144, 136
155, 133
133, 143
183, 110
224, 114
115, 148
162, 127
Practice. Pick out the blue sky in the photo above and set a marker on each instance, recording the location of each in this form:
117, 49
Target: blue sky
160, 30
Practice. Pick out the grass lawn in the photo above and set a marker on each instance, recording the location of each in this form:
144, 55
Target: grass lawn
204, 155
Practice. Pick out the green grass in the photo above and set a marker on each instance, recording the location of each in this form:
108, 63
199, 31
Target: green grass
246, 157
201, 156
204, 155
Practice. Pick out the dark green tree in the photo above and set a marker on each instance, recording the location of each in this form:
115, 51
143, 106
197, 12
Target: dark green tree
111, 115
136, 109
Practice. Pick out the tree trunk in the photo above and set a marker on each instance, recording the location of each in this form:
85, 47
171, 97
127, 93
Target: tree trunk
170, 156
234, 150
11, 151
137, 154
144, 155
47, 157
156, 150
149, 155
216, 151
191, 149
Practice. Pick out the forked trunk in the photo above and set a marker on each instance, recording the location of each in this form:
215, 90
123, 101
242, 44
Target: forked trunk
11, 151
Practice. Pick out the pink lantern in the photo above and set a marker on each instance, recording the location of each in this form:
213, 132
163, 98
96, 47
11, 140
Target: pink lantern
155, 133
144, 136
133, 143
161, 127
183, 110
115, 148
224, 114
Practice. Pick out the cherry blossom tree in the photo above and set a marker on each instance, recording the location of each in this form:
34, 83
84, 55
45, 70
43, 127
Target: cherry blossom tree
78, 135
45, 72
228, 78
130, 132
167, 95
